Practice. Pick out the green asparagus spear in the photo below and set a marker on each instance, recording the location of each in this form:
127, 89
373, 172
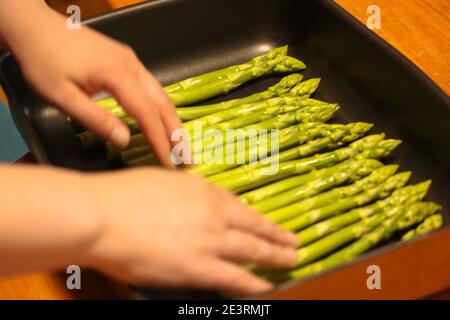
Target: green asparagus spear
299, 208
405, 196
134, 153
342, 205
332, 136
366, 242
137, 140
89, 140
108, 103
214, 119
281, 63
263, 115
305, 89
281, 88
337, 239
253, 175
317, 113
430, 224
229, 72
417, 214
342, 174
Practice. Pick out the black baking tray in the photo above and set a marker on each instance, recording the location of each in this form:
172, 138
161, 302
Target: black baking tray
177, 39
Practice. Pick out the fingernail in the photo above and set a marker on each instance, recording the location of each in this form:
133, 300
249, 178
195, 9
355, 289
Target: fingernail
120, 136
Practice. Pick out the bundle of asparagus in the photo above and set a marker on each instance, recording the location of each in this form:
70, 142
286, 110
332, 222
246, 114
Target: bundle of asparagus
323, 181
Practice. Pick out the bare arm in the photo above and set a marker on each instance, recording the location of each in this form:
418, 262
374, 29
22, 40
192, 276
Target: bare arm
44, 219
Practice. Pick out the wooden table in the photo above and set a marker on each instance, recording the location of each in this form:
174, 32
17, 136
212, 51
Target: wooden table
418, 28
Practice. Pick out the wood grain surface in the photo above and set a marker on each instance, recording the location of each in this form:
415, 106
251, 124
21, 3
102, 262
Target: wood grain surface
417, 28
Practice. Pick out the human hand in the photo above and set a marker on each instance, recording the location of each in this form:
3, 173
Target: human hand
179, 231
68, 66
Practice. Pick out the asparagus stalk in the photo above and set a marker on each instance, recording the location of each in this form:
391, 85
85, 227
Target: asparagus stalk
299, 208
137, 140
134, 153
247, 109
332, 136
366, 242
430, 224
337, 239
90, 140
283, 87
281, 63
342, 174
253, 175
108, 103
417, 214
313, 113
305, 89
263, 115
366, 196
405, 196
254, 66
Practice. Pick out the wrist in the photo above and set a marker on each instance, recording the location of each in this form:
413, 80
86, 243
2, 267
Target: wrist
21, 21
89, 221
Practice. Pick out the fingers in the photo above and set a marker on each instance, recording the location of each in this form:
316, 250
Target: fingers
131, 94
165, 106
241, 217
232, 279
243, 247
78, 105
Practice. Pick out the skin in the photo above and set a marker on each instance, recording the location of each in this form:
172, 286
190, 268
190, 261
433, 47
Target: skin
147, 226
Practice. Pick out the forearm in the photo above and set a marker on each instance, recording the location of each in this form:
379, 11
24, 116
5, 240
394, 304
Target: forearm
46, 219
19, 18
